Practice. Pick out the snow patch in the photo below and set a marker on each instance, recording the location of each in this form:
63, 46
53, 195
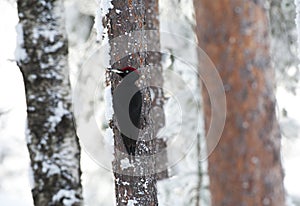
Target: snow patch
46, 33
109, 139
125, 164
50, 168
102, 11
118, 11
105, 5
27, 132
125, 183
68, 196
108, 103
145, 185
54, 48
131, 202
20, 52
31, 177
98, 24
58, 113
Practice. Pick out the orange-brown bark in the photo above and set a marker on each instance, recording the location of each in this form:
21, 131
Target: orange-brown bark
245, 168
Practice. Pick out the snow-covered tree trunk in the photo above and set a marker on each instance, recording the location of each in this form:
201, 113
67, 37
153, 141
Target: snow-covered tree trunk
127, 23
52, 142
245, 167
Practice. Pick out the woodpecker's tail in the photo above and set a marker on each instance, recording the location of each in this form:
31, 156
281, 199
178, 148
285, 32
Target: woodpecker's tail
130, 144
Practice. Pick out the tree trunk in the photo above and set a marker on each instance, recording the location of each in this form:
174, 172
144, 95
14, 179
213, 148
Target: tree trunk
133, 45
156, 84
53, 145
245, 168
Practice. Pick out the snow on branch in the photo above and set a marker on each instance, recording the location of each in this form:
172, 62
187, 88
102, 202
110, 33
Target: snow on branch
20, 52
103, 8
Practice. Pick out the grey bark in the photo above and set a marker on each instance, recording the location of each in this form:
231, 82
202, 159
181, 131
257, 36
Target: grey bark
52, 143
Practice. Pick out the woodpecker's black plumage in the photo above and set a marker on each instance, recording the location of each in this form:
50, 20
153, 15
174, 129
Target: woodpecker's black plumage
127, 105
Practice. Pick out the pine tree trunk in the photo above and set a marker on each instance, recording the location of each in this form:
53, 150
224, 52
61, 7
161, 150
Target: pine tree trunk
245, 168
132, 45
53, 145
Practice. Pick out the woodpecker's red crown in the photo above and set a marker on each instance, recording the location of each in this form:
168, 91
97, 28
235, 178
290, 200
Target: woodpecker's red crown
129, 69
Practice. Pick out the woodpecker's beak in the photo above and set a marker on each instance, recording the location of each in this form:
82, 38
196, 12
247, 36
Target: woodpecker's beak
116, 71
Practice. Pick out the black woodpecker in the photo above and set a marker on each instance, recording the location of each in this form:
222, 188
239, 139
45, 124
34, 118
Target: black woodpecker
127, 105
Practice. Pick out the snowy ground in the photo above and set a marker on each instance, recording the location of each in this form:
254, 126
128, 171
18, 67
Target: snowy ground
97, 181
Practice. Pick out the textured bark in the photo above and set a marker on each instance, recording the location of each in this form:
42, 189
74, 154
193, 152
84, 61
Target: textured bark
245, 168
156, 81
127, 23
53, 145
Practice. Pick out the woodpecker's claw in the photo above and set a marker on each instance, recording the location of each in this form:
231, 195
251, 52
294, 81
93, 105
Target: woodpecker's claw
111, 123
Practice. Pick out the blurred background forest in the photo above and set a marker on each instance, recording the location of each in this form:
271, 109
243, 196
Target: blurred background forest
176, 17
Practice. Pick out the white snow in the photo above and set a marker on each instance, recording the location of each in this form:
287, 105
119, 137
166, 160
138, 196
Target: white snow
20, 52
108, 103
290, 140
54, 48
103, 9
31, 177
145, 185
69, 197
50, 168
131, 202
57, 115
109, 139
46, 33
9, 200
98, 24
14, 167
105, 5
297, 20
125, 164
118, 11
14, 158
125, 183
